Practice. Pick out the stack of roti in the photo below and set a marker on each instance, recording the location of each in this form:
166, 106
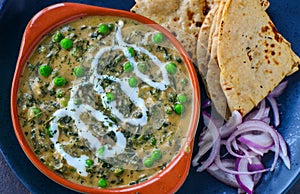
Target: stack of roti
237, 49
183, 18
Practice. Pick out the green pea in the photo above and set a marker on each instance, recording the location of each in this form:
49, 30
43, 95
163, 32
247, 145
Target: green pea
110, 96
148, 162
158, 38
133, 82
179, 108
142, 67
131, 51
171, 68
128, 67
103, 29
45, 70
66, 43
101, 150
79, 71
57, 37
35, 112
181, 98
59, 81
89, 163
60, 93
156, 155
102, 183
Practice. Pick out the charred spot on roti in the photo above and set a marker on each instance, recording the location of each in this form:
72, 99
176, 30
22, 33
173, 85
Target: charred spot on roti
198, 24
278, 38
190, 15
241, 111
275, 61
265, 29
206, 9
268, 71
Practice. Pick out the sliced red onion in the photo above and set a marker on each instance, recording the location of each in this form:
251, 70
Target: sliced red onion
247, 153
266, 113
255, 165
285, 158
212, 156
271, 98
274, 106
257, 177
261, 110
258, 151
211, 125
209, 138
250, 137
241, 191
278, 90
259, 114
283, 145
205, 144
260, 141
266, 120
228, 163
220, 165
245, 181
255, 125
206, 103
231, 124
213, 167
235, 145
228, 179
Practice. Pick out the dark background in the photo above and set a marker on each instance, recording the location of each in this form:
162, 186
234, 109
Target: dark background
15, 14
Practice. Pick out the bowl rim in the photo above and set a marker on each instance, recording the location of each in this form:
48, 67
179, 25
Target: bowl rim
167, 180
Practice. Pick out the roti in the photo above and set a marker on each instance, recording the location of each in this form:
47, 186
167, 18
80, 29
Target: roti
203, 41
253, 57
207, 56
183, 18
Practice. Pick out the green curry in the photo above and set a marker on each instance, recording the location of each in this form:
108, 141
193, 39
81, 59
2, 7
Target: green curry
105, 101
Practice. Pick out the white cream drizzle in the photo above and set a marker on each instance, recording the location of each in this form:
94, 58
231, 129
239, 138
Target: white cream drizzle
75, 111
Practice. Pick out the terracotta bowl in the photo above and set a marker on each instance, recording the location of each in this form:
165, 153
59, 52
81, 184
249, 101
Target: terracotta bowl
169, 179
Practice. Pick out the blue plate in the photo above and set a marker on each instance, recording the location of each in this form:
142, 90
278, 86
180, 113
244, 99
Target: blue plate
15, 14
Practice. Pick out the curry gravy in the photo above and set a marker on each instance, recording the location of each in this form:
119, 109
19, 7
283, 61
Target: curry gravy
107, 122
